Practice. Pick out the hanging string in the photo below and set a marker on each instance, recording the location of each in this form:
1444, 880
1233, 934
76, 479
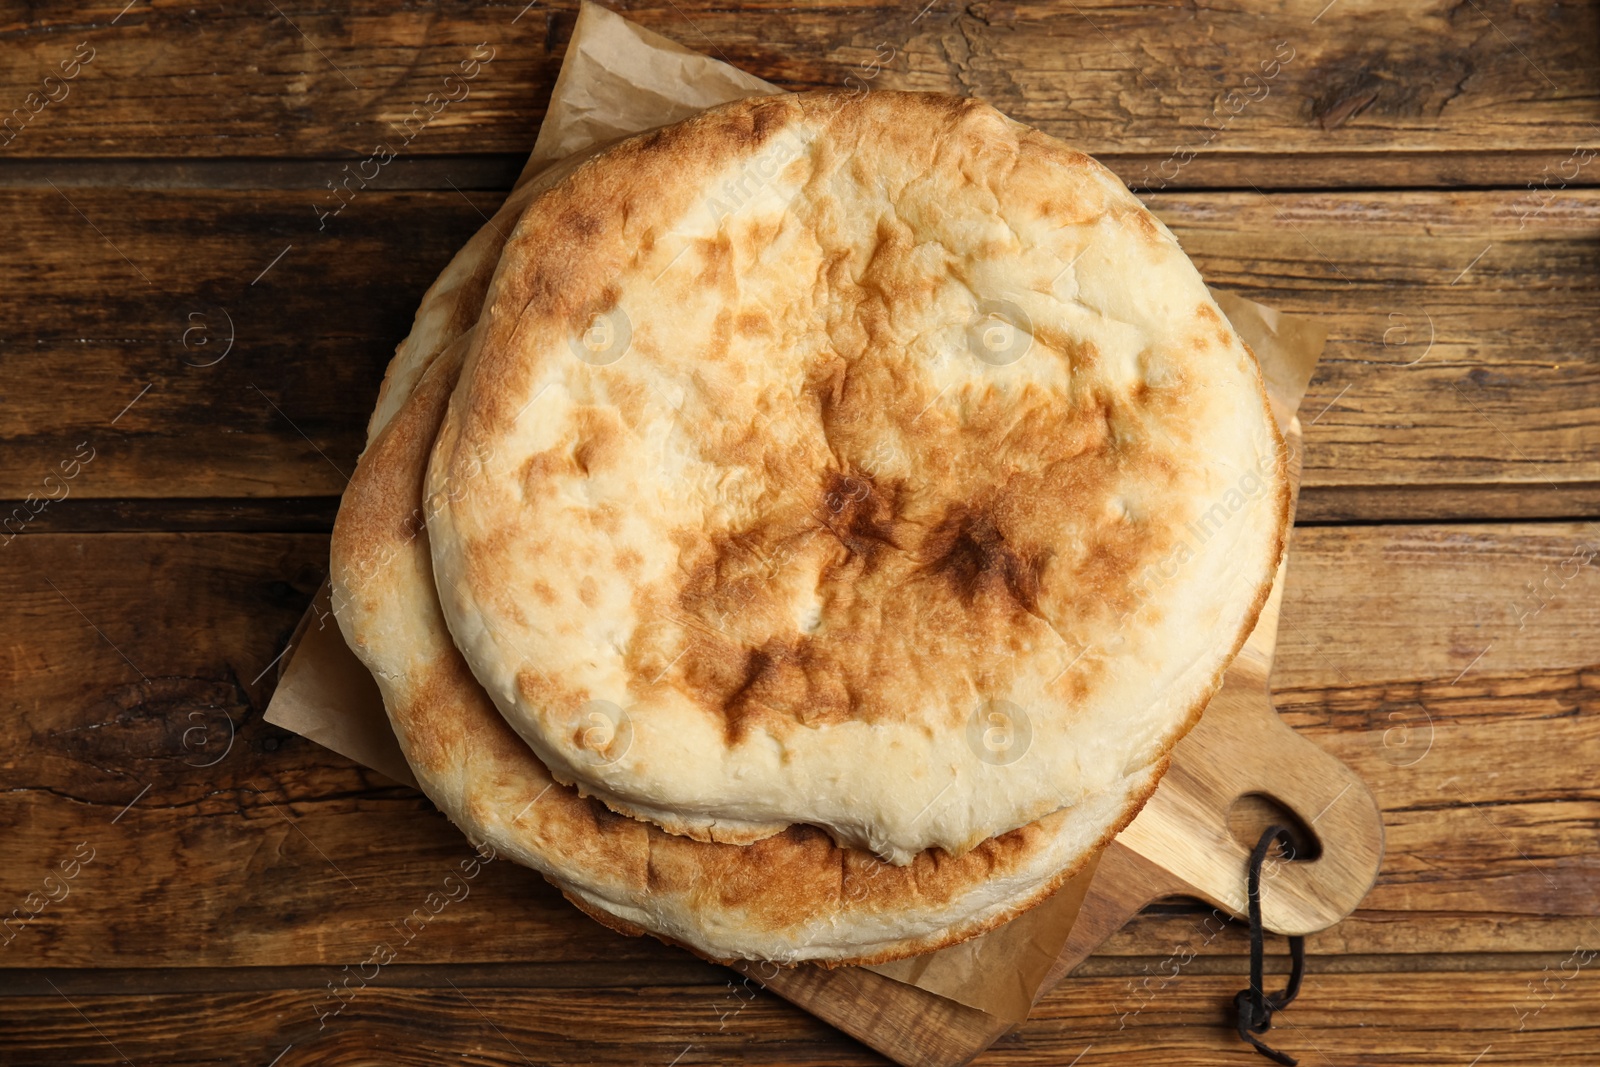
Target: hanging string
1256, 1008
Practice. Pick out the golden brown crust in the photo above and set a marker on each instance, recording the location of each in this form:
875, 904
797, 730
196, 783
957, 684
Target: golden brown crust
945, 939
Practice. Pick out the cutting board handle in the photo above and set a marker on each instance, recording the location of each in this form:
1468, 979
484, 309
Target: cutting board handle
1242, 748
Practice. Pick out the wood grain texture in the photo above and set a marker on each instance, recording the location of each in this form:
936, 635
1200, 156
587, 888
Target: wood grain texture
1531, 1016
168, 200
206, 344
1447, 363
127, 661
1459, 360
239, 514
1432, 93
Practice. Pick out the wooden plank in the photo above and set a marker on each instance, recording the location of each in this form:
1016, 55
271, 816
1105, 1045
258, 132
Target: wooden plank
134, 670
122, 683
473, 173
685, 970
1447, 361
1459, 362
240, 514
1374, 1018
1439, 93
218, 345
511, 1027
1531, 1016
1441, 613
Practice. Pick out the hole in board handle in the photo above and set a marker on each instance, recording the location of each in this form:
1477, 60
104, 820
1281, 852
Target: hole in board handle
1252, 813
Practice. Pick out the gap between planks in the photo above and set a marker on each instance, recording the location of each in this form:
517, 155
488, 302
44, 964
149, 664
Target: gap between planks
1320, 506
1290, 172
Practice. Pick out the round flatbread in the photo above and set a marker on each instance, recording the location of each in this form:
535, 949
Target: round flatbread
866, 461
792, 897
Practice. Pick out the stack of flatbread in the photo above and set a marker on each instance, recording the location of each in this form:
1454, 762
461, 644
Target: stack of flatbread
803, 531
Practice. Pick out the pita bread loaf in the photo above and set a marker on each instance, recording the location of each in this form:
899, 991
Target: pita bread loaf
794, 896
871, 462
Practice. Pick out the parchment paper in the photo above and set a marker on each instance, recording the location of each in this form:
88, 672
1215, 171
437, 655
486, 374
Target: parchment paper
619, 79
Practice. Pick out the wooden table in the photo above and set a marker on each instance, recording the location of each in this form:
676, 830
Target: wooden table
190, 352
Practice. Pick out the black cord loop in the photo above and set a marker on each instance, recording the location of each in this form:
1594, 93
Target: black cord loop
1255, 1008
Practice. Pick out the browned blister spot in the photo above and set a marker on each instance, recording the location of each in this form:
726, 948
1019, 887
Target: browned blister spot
600, 439
580, 224
634, 400
968, 552
791, 681
534, 684
717, 264
1146, 226
901, 582
859, 514
485, 580
1081, 353
753, 322
540, 470
437, 745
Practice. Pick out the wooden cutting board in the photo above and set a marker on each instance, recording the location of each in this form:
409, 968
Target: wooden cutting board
1240, 761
